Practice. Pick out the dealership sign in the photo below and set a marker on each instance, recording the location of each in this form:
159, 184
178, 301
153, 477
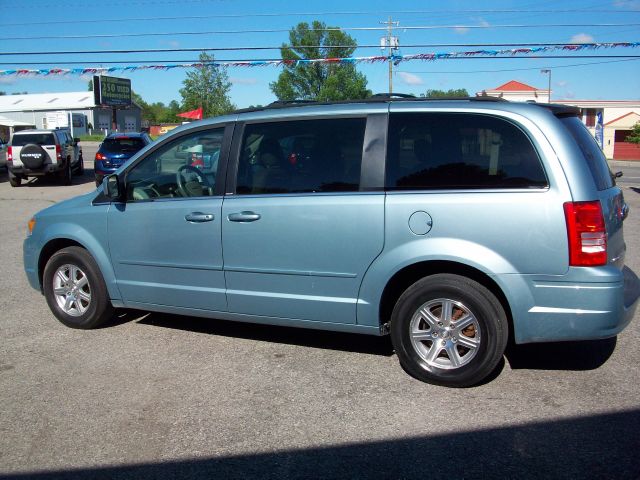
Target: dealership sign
111, 91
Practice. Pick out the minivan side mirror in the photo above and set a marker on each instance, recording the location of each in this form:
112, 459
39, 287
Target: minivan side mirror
111, 187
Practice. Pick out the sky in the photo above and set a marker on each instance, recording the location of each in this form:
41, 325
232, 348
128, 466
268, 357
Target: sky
128, 24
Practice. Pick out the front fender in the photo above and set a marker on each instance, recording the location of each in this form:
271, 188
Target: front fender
94, 242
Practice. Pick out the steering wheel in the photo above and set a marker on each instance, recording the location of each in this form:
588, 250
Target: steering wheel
191, 188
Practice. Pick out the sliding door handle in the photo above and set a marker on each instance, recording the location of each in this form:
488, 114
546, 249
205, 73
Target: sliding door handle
244, 217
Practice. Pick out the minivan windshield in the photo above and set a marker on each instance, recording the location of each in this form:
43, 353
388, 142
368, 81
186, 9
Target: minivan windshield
37, 138
595, 158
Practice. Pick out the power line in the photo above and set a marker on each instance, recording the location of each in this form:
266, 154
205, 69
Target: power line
214, 49
244, 60
329, 29
301, 14
518, 69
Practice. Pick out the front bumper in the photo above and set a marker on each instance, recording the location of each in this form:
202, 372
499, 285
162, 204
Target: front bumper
30, 259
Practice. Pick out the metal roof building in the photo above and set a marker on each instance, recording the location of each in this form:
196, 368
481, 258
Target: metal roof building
76, 110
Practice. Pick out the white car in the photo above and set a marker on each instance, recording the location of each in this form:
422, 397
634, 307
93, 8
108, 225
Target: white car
35, 153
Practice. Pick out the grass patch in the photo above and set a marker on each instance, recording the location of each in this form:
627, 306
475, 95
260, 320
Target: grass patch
91, 138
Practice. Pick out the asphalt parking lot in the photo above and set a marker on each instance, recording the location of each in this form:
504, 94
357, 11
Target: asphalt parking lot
161, 396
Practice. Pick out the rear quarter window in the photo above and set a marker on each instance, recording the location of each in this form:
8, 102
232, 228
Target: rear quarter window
459, 151
37, 138
594, 157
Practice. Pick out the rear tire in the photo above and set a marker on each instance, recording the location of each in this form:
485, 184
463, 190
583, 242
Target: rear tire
14, 180
449, 330
75, 290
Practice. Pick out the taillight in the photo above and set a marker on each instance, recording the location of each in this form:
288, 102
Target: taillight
58, 152
10, 154
100, 156
587, 234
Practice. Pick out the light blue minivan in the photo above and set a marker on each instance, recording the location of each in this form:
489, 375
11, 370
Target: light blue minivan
452, 225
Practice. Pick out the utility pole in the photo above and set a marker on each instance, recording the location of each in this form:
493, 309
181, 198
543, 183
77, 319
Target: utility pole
548, 71
390, 42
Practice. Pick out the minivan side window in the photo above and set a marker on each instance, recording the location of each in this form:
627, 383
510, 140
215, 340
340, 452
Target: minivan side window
459, 151
184, 167
303, 156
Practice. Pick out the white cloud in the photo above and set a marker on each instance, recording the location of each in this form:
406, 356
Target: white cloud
170, 43
562, 83
7, 80
582, 38
460, 30
481, 21
627, 4
410, 78
243, 81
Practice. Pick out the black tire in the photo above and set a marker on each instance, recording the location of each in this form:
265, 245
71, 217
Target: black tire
66, 173
14, 180
68, 301
457, 348
80, 167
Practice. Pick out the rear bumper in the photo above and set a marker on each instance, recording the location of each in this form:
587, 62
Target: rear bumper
586, 304
36, 172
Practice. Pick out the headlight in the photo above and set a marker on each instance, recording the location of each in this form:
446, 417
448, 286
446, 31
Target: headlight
31, 225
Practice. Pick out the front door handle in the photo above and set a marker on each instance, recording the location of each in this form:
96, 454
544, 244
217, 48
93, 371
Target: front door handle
244, 217
198, 217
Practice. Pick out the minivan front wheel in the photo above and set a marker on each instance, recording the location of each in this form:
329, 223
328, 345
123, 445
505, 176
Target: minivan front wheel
449, 330
75, 290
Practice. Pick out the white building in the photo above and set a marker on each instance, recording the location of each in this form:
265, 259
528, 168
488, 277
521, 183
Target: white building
75, 110
618, 116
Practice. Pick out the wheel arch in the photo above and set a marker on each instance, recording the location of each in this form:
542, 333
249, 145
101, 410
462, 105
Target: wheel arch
410, 274
50, 248
101, 257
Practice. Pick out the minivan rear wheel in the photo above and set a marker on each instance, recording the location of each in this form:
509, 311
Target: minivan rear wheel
449, 330
75, 290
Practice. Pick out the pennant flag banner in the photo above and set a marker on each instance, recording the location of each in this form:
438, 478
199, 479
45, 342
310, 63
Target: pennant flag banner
396, 59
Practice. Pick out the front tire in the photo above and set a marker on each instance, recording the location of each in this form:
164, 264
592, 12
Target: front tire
66, 173
80, 167
449, 330
75, 290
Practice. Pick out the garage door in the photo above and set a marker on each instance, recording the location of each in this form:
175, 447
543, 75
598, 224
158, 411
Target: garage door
625, 150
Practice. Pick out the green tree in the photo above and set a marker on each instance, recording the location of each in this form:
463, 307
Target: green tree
451, 93
207, 86
635, 134
319, 81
